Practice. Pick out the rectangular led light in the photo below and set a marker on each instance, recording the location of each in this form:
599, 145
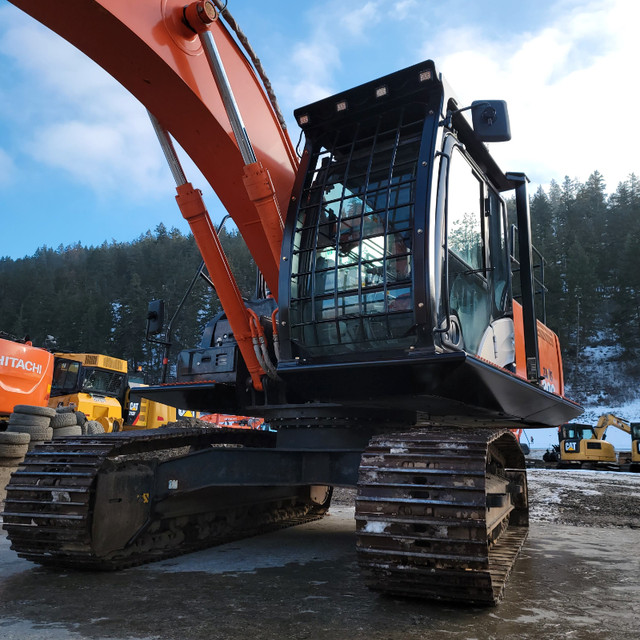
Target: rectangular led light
381, 91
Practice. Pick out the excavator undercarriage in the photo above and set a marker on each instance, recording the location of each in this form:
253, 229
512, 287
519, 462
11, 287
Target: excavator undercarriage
94, 503
441, 512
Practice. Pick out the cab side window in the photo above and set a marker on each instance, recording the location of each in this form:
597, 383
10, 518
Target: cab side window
464, 215
469, 298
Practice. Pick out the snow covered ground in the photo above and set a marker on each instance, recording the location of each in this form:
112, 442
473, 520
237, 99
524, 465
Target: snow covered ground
584, 498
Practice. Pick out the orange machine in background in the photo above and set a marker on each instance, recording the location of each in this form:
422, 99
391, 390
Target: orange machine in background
25, 375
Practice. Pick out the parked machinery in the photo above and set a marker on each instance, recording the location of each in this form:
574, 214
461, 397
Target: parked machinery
389, 354
585, 445
99, 386
25, 374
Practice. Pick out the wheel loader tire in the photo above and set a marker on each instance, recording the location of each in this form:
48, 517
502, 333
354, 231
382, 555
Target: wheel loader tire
81, 418
63, 420
94, 427
14, 437
13, 450
34, 443
24, 418
33, 410
73, 430
36, 432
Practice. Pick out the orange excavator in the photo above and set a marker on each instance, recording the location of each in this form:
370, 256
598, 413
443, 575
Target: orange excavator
26, 373
387, 350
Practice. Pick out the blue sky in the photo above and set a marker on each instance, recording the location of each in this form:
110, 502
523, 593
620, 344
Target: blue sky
79, 162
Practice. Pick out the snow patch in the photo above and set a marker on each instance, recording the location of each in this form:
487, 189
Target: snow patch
375, 527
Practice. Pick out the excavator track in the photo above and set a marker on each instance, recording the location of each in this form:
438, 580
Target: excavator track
441, 513
50, 508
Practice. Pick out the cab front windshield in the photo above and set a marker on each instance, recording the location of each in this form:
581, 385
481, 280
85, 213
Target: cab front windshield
65, 377
635, 431
577, 432
102, 382
352, 261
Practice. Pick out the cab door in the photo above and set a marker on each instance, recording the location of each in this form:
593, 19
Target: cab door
478, 268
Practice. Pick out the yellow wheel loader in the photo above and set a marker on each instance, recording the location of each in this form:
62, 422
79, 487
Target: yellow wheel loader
98, 385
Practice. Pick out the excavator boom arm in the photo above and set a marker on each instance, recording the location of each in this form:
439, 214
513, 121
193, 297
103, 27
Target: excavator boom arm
608, 420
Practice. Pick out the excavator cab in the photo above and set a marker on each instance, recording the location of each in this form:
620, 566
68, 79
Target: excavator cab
570, 435
393, 247
396, 264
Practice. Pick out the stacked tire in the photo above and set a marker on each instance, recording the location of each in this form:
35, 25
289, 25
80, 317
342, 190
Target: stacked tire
67, 422
93, 427
13, 448
33, 421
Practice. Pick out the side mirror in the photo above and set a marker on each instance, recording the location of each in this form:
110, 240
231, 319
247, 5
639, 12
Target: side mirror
155, 317
491, 120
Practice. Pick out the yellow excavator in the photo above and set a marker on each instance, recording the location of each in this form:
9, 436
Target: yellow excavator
584, 445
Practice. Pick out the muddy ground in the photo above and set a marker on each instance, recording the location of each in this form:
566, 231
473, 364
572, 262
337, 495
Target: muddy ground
576, 578
585, 498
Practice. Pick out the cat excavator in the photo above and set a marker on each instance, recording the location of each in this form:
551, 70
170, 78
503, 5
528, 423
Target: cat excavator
387, 351
582, 445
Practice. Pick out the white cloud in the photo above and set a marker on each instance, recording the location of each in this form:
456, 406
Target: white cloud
90, 126
360, 20
98, 155
568, 87
402, 9
313, 64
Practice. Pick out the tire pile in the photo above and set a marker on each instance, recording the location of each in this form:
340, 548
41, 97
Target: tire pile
30, 425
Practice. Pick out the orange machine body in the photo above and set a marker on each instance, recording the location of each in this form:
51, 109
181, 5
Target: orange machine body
25, 375
548, 351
